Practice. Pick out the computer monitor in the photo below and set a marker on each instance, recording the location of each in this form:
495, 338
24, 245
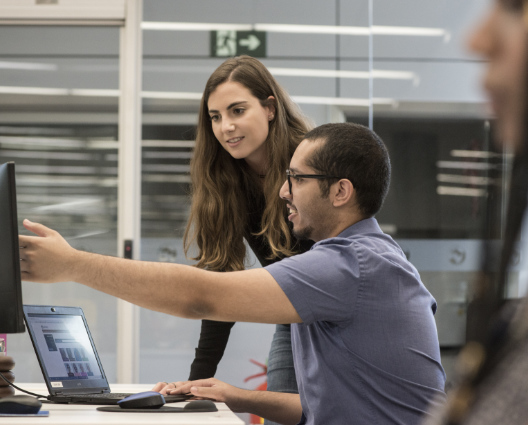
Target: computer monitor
11, 313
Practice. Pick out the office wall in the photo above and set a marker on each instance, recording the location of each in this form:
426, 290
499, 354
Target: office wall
441, 83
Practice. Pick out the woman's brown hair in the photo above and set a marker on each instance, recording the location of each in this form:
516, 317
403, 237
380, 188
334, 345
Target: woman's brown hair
224, 191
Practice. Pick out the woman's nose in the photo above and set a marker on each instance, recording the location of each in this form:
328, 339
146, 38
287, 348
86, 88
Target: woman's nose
228, 126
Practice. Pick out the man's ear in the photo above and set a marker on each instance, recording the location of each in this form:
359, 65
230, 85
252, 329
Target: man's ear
343, 193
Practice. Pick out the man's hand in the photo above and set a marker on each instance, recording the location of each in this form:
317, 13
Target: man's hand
6, 364
211, 389
179, 290
46, 257
278, 407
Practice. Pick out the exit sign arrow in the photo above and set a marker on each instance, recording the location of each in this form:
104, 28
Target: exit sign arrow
252, 42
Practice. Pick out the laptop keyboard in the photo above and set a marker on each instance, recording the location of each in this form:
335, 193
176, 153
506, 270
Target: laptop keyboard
168, 397
100, 395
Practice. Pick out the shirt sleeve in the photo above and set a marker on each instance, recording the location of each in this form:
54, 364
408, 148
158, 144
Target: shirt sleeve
322, 284
211, 346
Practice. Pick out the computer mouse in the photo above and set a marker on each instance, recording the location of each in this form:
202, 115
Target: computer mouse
144, 400
200, 406
20, 404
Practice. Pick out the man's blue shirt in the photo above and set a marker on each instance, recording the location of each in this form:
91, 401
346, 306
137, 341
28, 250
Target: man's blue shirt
367, 351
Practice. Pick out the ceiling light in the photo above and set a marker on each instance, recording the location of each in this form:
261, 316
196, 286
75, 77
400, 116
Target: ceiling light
27, 66
302, 29
167, 143
63, 181
465, 165
315, 100
330, 73
166, 178
473, 180
476, 154
65, 156
103, 144
45, 91
94, 92
460, 191
32, 142
33, 90
171, 95
63, 169
342, 101
166, 155
166, 168
194, 26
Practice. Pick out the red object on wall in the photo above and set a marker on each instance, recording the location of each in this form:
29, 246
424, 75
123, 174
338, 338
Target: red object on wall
254, 419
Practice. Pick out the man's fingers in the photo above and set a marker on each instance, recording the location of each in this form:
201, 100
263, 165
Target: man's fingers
209, 393
37, 228
24, 241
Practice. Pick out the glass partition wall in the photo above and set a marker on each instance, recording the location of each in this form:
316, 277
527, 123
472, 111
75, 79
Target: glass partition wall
58, 123
401, 68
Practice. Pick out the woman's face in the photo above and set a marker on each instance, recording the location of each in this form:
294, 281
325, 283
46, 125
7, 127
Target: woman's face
241, 123
501, 40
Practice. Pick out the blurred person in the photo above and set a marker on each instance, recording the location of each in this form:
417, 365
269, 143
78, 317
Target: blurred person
364, 338
492, 367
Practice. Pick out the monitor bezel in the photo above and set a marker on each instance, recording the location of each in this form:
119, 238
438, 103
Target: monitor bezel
17, 324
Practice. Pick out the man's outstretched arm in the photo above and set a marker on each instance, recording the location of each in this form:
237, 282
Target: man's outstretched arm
179, 290
283, 408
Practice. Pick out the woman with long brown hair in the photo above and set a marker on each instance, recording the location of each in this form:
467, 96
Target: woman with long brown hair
248, 129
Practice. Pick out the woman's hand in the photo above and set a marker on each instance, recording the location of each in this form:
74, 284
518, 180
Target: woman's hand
172, 387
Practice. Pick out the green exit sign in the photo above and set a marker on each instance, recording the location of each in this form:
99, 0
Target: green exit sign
227, 43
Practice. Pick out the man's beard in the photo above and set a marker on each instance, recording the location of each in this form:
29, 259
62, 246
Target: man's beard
303, 234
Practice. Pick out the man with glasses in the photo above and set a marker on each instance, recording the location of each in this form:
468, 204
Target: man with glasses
363, 333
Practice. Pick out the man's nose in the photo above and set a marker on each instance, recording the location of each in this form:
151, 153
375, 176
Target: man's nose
284, 191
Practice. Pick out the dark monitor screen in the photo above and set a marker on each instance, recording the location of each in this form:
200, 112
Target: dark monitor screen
11, 313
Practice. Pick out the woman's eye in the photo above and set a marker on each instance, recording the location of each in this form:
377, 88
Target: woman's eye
214, 118
238, 111
297, 179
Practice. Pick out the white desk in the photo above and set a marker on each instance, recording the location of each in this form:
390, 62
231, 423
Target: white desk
70, 414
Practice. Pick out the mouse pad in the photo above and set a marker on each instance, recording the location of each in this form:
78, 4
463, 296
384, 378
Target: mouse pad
163, 409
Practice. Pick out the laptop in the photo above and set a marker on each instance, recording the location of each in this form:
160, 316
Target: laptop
67, 356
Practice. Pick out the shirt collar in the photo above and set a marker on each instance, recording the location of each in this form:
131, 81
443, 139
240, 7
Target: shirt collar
367, 225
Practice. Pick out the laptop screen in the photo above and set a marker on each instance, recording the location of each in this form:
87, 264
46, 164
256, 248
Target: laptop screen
64, 348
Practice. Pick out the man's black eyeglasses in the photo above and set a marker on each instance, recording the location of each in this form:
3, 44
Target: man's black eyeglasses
290, 175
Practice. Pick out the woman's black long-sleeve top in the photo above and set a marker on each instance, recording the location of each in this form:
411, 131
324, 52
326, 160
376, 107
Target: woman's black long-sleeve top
214, 335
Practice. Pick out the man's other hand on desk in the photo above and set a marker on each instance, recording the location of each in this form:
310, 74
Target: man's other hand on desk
211, 389
278, 407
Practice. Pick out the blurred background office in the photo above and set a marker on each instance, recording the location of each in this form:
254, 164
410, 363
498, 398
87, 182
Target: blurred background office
400, 67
